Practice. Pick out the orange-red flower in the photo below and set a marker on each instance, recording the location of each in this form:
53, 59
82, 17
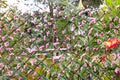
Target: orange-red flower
112, 43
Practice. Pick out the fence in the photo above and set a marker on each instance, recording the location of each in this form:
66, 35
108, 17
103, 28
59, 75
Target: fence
38, 47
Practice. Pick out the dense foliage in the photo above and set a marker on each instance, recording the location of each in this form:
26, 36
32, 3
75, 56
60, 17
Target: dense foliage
68, 44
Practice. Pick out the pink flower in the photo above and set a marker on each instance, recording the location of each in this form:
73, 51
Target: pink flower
81, 68
91, 75
9, 49
94, 58
107, 10
51, 18
23, 53
90, 14
25, 66
75, 70
1, 49
113, 63
31, 40
59, 75
85, 63
33, 61
118, 55
93, 21
56, 43
1, 65
90, 31
27, 11
6, 44
87, 48
114, 55
12, 27
35, 20
118, 6
0, 30
72, 10
11, 37
101, 34
6, 68
29, 29
15, 17
111, 25
66, 16
15, 32
54, 10
94, 68
57, 40
29, 50
72, 19
63, 71
47, 44
29, 71
54, 26
47, 50
34, 74
79, 26
73, 27
83, 22
4, 38
45, 18
18, 65
41, 47
32, 14
20, 78
95, 49
48, 33
43, 11
10, 73
60, 13
58, 49
49, 23
86, 10
67, 38
35, 48
80, 14
96, 34
105, 64
55, 31
117, 71
115, 30
18, 30
63, 32
68, 46
98, 41
5, 25
81, 57
11, 54
54, 60
44, 38
85, 41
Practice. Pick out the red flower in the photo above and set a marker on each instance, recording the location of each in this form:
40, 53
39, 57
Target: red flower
103, 58
112, 43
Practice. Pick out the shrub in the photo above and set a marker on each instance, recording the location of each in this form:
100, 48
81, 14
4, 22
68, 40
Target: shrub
69, 45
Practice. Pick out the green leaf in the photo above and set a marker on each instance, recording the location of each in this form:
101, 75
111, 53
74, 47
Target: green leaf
64, 3
117, 2
109, 2
61, 24
22, 75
